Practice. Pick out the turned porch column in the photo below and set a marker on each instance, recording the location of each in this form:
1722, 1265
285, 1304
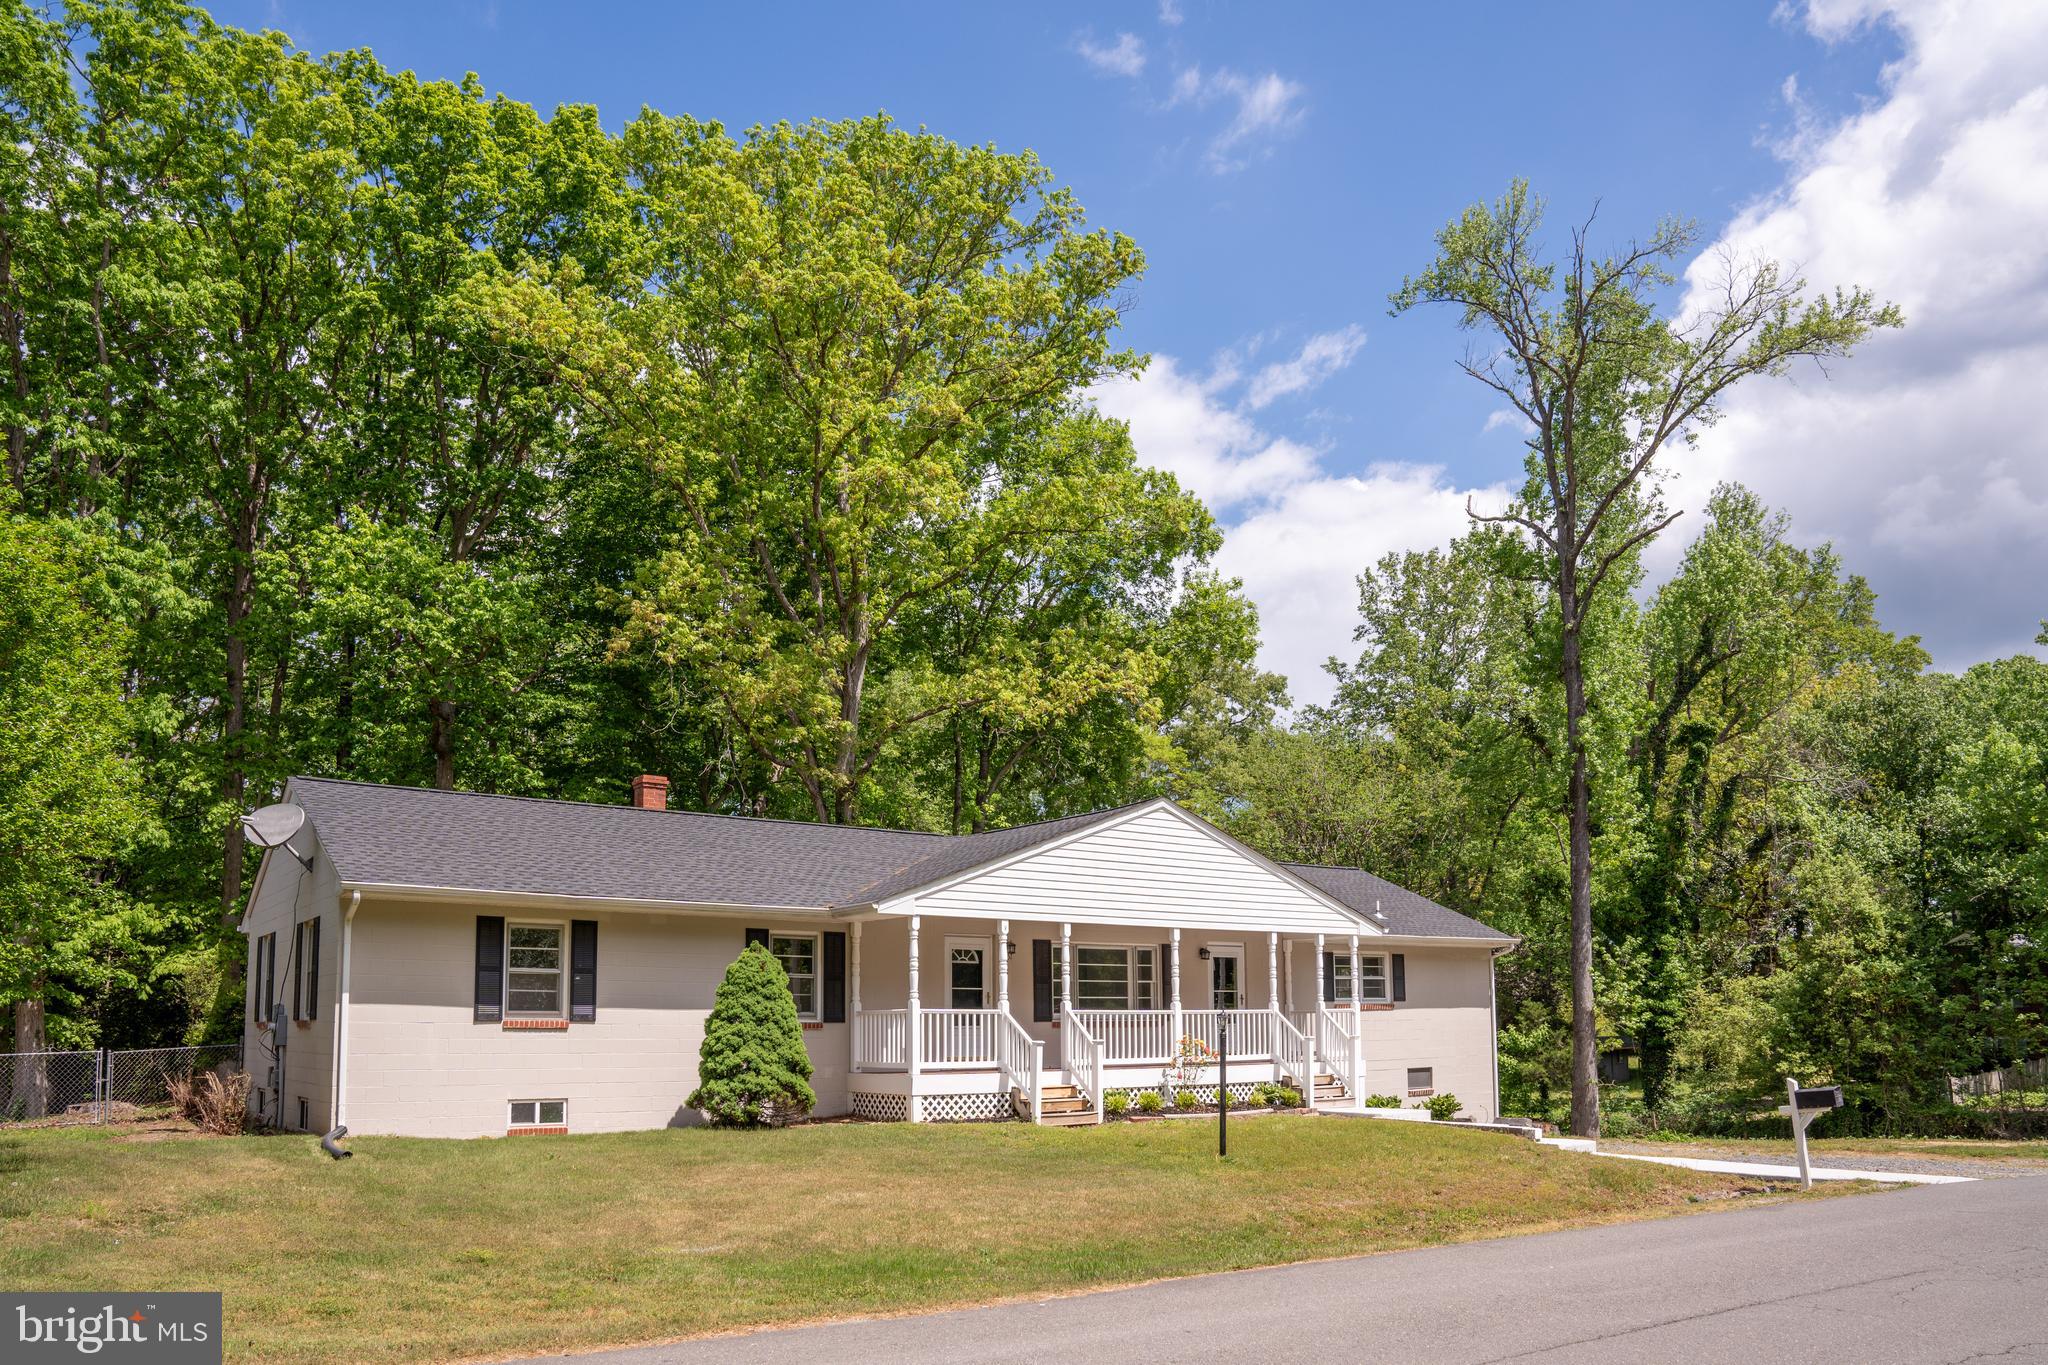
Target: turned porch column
853, 993
1003, 965
1066, 967
1179, 1026
1273, 997
913, 1046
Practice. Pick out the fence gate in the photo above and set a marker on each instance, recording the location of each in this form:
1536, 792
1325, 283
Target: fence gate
92, 1086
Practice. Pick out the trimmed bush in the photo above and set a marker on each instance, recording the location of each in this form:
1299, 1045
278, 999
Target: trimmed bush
1442, 1108
1184, 1100
1116, 1103
1383, 1102
752, 1067
1285, 1097
1149, 1102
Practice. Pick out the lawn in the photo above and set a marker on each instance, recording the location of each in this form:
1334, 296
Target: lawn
431, 1250
1836, 1148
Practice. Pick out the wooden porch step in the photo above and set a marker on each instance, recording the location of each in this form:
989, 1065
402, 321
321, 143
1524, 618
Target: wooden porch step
1059, 1092
1070, 1104
1066, 1120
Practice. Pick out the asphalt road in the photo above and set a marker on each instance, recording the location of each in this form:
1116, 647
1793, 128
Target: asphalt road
1948, 1273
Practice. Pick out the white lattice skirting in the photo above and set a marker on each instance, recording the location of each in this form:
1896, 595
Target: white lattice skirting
882, 1108
1204, 1094
966, 1108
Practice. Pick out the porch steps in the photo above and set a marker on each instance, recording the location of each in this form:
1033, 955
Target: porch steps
1059, 1106
1328, 1087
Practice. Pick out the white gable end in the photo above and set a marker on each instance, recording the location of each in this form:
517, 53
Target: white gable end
1157, 867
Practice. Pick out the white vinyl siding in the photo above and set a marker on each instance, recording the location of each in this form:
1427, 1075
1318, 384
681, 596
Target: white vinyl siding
1157, 868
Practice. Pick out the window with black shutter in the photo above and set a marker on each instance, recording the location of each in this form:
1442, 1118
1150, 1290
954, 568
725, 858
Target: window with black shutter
490, 969
313, 969
583, 971
1041, 980
835, 977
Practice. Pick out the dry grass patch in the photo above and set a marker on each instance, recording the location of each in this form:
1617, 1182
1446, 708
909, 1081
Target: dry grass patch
431, 1250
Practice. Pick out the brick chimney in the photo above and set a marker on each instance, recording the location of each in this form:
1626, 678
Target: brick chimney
650, 792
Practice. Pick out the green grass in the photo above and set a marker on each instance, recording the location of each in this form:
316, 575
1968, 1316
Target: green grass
1960, 1148
431, 1250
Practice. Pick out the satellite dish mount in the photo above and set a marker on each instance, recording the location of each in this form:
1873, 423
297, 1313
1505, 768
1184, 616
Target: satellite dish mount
274, 826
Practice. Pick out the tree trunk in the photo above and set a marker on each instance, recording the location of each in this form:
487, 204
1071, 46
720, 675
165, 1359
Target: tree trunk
443, 714
31, 1088
1585, 1033
234, 779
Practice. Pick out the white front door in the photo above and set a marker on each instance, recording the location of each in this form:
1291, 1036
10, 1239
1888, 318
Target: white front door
1226, 978
967, 973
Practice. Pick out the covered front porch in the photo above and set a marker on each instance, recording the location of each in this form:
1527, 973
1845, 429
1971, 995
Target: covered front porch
969, 1018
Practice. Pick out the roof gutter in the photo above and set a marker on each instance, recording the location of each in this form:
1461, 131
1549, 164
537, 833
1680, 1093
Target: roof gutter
412, 891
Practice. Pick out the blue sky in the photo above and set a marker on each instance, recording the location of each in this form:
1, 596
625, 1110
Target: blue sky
1282, 166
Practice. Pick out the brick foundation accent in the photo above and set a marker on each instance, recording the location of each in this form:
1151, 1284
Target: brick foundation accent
536, 1025
539, 1130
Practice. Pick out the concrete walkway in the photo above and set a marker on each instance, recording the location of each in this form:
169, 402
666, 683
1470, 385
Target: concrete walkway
1906, 1277
1767, 1171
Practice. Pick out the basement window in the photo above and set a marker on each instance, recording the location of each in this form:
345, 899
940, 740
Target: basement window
1421, 1080
540, 1113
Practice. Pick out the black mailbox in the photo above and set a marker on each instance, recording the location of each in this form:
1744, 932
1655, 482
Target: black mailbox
1819, 1097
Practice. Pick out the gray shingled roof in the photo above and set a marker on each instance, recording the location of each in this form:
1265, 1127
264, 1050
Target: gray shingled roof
412, 836
1406, 912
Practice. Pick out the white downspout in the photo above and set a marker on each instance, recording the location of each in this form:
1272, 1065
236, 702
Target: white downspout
348, 919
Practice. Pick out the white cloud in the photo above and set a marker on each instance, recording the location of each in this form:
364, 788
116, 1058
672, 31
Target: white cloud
1297, 533
1169, 13
1321, 356
1124, 57
1507, 417
1923, 457
1265, 108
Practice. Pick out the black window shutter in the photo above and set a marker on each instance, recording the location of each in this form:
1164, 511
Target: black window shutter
256, 980
1400, 977
759, 936
313, 969
1041, 979
1329, 978
835, 978
298, 969
269, 975
1162, 978
583, 971
490, 968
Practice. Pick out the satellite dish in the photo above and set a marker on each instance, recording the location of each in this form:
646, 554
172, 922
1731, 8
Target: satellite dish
272, 825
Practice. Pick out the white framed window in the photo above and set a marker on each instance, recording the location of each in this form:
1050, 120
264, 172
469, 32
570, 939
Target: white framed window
1372, 978
798, 954
533, 970
1421, 1080
1111, 976
539, 1114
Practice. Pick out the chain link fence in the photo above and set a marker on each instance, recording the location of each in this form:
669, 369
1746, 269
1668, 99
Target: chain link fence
94, 1086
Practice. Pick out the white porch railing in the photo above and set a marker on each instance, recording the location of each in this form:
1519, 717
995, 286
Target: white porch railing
1021, 1059
881, 1039
959, 1039
1131, 1035
1081, 1058
1337, 1044
1295, 1057
1251, 1031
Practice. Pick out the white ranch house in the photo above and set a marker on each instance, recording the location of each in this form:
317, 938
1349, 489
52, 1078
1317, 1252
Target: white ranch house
456, 964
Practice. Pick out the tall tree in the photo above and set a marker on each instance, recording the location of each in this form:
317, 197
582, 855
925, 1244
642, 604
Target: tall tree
1608, 383
68, 795
853, 364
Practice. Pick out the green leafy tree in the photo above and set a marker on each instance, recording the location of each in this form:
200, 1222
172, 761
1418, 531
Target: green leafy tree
1607, 384
68, 795
752, 1067
853, 363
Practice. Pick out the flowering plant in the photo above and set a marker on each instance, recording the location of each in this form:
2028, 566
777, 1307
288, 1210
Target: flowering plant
1190, 1056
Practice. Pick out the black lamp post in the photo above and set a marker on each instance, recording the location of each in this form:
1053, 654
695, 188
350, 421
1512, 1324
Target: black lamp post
1222, 1084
